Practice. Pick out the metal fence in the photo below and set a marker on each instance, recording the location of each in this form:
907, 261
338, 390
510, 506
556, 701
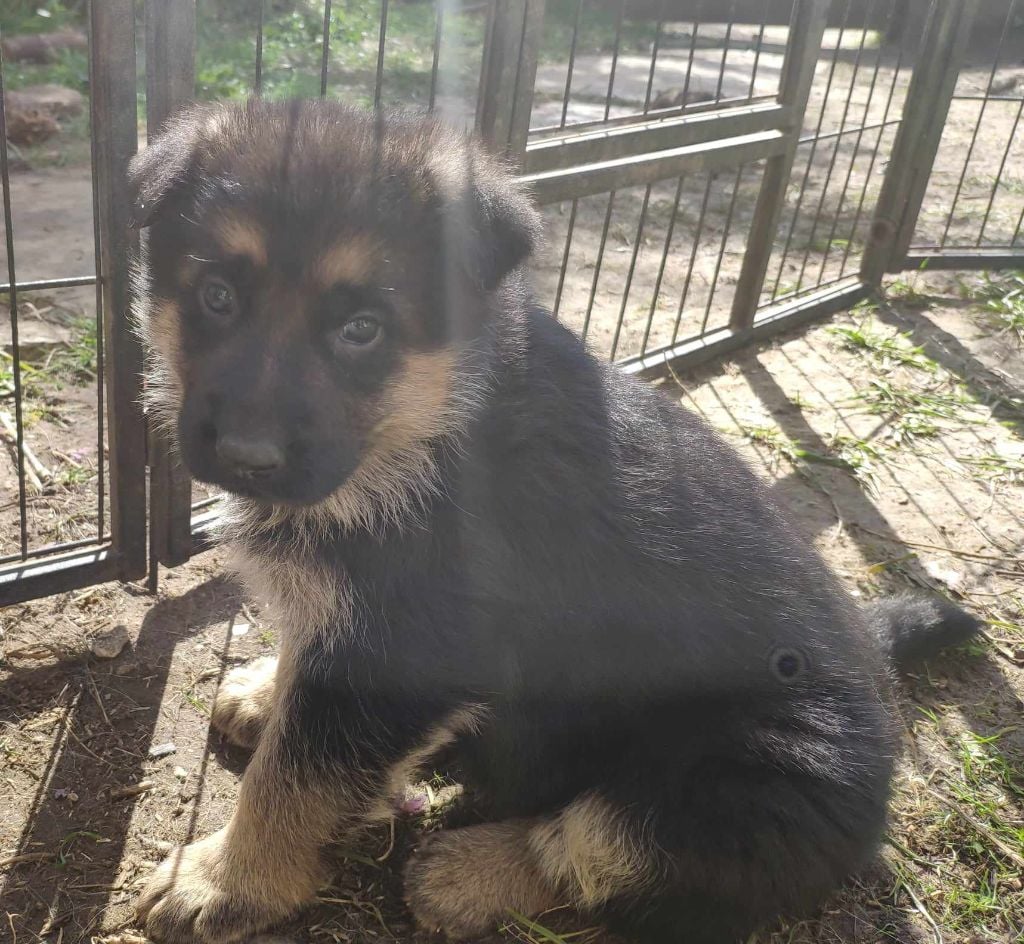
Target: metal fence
710, 172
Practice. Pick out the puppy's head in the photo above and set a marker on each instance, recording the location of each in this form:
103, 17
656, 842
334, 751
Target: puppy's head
312, 277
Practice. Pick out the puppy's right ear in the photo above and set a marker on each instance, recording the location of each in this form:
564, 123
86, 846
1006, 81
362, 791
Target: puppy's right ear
162, 168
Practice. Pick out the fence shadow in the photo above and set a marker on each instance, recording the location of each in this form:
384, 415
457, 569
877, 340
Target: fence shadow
68, 872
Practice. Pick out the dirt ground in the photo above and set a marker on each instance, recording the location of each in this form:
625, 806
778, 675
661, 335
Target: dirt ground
890, 497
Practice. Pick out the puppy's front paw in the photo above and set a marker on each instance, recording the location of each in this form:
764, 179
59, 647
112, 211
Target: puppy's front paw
244, 701
187, 899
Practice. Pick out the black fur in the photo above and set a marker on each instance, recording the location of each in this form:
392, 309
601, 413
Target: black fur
595, 566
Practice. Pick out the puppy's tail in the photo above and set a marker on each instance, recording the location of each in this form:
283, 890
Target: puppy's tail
912, 627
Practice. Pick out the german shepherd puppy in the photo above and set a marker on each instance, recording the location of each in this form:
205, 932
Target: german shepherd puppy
477, 539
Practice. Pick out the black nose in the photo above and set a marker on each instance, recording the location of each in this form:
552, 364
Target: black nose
246, 456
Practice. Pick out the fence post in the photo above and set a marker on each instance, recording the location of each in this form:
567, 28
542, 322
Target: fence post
507, 76
112, 113
170, 83
925, 111
806, 30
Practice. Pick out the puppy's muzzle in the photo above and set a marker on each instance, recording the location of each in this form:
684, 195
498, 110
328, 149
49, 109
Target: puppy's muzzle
249, 457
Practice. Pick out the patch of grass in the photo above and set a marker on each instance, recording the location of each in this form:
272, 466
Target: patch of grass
1004, 303
196, 701
846, 453
904, 289
996, 468
292, 49
916, 414
886, 349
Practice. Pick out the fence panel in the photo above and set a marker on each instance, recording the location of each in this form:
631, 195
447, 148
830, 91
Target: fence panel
72, 426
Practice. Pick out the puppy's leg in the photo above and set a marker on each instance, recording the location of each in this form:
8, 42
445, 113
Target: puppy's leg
262, 866
326, 760
244, 701
466, 881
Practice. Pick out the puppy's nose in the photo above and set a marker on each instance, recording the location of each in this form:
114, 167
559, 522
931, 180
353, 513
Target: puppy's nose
249, 456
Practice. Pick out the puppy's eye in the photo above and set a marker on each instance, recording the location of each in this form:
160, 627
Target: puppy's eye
360, 331
217, 299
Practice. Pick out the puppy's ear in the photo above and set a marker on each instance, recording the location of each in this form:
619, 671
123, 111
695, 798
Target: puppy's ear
161, 169
490, 219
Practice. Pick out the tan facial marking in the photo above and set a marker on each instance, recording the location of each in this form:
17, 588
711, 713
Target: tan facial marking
239, 236
347, 261
415, 404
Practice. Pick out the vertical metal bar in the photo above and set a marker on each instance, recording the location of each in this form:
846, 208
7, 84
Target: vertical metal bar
977, 125
913, 155
757, 52
258, 83
725, 52
721, 249
379, 82
806, 31
526, 77
802, 192
510, 66
572, 63
101, 463
693, 49
654, 63
878, 145
999, 174
565, 258
853, 163
170, 83
113, 103
615, 59
438, 36
693, 257
597, 264
632, 268
664, 261
836, 149
325, 50
5, 183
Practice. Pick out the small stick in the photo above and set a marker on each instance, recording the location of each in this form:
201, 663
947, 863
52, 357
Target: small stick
25, 857
122, 793
37, 472
919, 905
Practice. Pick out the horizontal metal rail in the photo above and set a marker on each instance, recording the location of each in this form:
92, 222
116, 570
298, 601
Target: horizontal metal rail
983, 258
652, 135
771, 321
606, 176
37, 578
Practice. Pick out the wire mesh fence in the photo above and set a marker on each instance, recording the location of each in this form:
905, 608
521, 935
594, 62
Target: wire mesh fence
707, 171
974, 203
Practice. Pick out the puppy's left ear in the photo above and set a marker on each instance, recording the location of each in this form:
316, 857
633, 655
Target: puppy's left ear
489, 219
507, 224
164, 165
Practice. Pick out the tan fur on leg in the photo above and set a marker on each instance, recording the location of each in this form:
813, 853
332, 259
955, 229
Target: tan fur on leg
244, 702
263, 866
466, 881
591, 852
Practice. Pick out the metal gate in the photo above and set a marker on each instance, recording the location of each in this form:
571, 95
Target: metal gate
116, 547
710, 173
